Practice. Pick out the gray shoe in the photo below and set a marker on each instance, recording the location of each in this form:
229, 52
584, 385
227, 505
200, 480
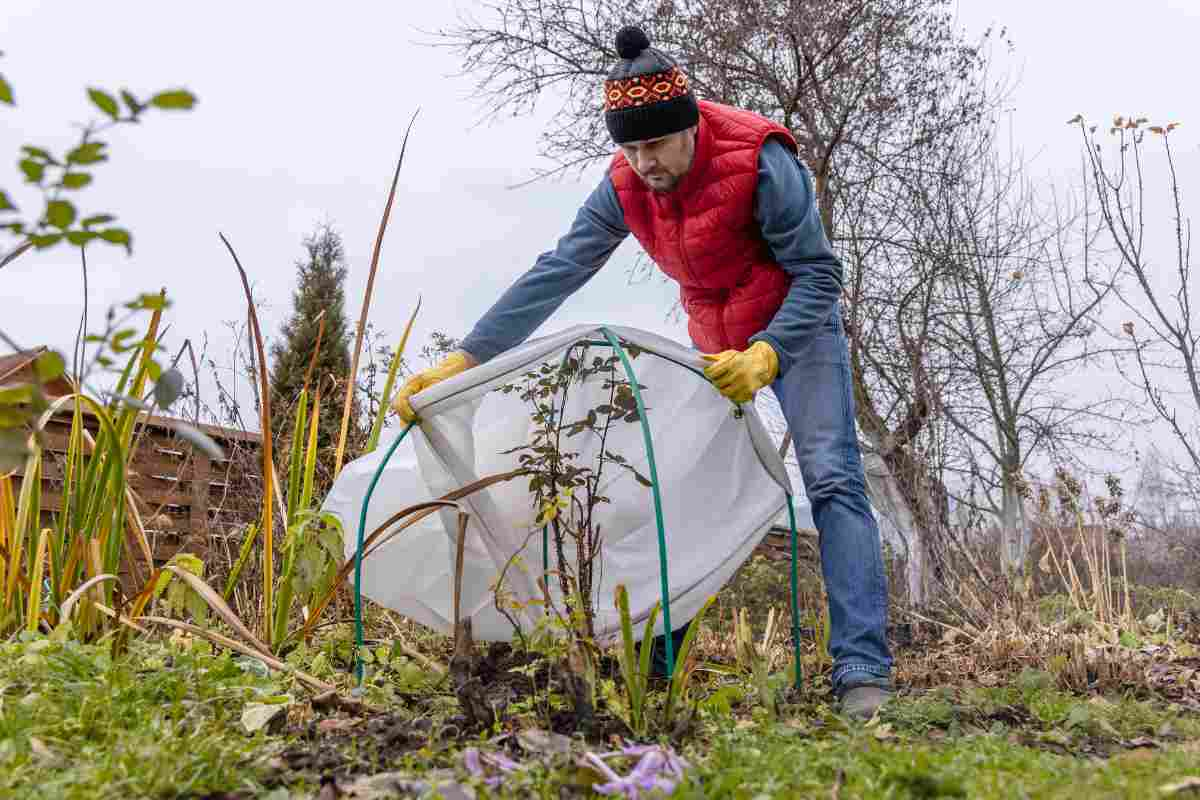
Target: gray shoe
861, 702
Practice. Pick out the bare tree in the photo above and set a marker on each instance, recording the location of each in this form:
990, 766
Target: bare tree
869, 88
1157, 290
1021, 298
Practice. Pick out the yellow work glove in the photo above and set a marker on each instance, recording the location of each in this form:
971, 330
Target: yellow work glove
738, 374
448, 367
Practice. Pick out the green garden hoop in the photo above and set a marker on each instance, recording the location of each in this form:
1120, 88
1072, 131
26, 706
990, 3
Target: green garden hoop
612, 341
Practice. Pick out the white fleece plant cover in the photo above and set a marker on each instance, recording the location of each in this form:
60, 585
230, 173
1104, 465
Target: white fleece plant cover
721, 480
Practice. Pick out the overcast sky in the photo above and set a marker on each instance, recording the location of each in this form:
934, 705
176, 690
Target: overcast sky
302, 107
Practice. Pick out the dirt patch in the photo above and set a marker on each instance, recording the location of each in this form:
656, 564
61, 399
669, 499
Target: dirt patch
488, 688
492, 688
344, 747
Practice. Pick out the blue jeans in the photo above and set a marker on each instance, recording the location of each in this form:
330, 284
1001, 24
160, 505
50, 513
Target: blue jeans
817, 398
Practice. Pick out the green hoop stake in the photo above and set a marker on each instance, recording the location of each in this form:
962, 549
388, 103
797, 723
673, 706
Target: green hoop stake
358, 553
658, 512
795, 590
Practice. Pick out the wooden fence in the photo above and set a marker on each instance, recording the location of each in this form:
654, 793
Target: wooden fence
185, 498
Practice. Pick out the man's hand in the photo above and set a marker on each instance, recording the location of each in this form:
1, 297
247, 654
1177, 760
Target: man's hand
738, 374
448, 367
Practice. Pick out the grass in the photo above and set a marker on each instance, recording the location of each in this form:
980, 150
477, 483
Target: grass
783, 761
166, 721
163, 722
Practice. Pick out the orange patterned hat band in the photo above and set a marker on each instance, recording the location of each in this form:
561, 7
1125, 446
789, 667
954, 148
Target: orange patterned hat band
641, 90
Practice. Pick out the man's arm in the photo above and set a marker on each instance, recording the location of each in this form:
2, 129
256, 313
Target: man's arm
598, 229
786, 210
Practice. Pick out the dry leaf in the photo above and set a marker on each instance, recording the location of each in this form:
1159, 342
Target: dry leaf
256, 715
545, 742
335, 724
1190, 782
1075, 119
1156, 129
40, 750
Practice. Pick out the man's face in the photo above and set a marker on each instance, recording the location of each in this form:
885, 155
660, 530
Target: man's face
661, 163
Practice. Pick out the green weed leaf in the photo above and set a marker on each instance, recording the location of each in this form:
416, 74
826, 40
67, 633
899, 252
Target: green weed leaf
135, 106
175, 100
12, 416
38, 154
46, 240
6, 92
80, 238
147, 302
5, 203
50, 365
60, 213
117, 236
97, 219
76, 180
34, 170
89, 153
105, 102
168, 388
200, 440
14, 447
19, 393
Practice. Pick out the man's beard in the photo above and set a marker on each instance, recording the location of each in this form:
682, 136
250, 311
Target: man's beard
670, 186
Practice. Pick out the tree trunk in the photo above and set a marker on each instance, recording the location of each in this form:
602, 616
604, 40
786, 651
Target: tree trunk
888, 498
1015, 533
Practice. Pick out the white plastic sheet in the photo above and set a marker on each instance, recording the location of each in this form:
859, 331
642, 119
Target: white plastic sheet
722, 486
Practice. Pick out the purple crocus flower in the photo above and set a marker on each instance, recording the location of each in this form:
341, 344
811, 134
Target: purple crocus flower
474, 761
657, 768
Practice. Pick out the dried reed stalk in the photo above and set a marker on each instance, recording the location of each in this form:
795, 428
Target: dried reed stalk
362, 317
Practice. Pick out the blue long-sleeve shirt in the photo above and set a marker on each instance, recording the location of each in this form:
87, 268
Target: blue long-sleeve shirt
786, 211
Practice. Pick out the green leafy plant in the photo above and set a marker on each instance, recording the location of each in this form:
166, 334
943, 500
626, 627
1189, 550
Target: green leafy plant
89, 537
179, 596
635, 665
566, 493
685, 666
312, 546
312, 543
756, 659
58, 177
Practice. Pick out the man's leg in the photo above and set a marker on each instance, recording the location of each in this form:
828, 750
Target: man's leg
818, 403
658, 651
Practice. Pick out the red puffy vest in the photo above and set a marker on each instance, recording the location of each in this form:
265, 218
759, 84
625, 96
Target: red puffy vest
704, 234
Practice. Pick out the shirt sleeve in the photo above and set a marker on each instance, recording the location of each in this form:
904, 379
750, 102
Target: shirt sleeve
786, 211
598, 229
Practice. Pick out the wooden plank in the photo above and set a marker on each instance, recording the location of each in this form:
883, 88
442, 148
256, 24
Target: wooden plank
152, 476
149, 497
161, 423
200, 496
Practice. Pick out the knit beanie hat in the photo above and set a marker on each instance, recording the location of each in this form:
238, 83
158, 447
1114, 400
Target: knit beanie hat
646, 95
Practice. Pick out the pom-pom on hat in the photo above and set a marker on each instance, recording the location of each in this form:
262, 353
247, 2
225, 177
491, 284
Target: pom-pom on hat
646, 95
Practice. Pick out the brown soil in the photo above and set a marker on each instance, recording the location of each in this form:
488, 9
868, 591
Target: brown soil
343, 747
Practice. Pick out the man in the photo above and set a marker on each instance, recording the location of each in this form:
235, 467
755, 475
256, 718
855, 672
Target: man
719, 200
